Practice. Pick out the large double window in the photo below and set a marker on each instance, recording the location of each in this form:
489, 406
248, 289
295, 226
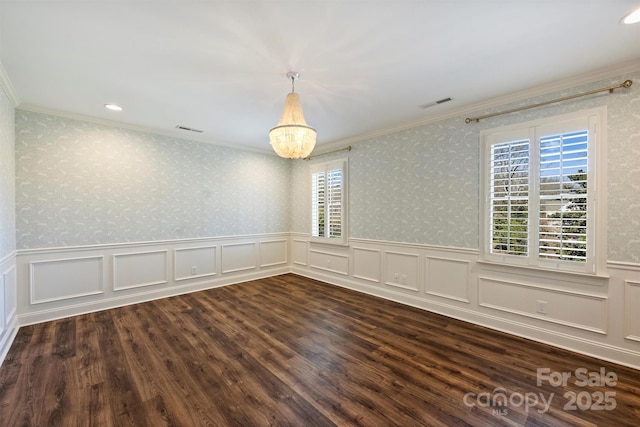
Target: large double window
329, 202
544, 198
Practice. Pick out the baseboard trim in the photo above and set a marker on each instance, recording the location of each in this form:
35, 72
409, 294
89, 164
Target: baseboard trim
6, 338
141, 297
568, 342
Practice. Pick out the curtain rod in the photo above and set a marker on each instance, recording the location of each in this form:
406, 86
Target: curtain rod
348, 148
610, 89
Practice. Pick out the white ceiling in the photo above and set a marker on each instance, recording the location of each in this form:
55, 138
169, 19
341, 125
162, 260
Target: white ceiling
365, 66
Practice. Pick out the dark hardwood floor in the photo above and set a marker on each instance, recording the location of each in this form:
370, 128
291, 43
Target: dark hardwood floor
293, 351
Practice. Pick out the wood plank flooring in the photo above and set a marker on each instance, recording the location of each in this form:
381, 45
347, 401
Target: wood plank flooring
291, 351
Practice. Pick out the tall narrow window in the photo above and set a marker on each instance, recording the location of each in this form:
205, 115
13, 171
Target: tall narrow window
328, 202
540, 180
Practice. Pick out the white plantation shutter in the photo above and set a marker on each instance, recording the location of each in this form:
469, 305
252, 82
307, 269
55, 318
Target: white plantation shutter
318, 203
334, 203
328, 202
539, 184
563, 196
509, 194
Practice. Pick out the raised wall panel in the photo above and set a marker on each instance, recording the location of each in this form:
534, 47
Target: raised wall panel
405, 267
273, 252
190, 263
366, 264
60, 279
447, 278
139, 269
238, 257
328, 261
632, 310
3, 299
299, 250
131, 273
10, 294
578, 310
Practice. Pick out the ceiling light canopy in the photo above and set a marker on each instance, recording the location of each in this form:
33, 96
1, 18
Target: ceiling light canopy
632, 18
292, 138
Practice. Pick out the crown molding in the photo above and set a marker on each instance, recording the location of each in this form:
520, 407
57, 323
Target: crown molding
8, 88
112, 123
556, 86
568, 83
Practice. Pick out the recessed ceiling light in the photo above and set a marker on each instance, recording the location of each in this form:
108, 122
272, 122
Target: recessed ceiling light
632, 18
113, 107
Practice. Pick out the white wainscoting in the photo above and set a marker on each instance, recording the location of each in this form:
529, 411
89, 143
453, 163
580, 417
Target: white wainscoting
239, 257
366, 264
273, 252
300, 251
329, 260
8, 303
448, 278
66, 278
191, 263
632, 310
138, 269
61, 282
8, 280
523, 298
597, 316
402, 270
3, 308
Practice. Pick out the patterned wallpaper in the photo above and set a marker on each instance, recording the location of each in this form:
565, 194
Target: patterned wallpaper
623, 186
7, 177
418, 185
81, 183
421, 185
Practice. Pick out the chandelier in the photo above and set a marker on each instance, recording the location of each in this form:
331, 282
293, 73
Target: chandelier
292, 138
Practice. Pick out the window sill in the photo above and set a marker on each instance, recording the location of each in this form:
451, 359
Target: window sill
545, 273
329, 242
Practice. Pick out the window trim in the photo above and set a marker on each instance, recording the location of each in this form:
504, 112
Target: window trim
343, 165
597, 184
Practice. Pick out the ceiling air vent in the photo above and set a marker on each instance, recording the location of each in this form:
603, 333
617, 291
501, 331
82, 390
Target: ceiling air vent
434, 103
189, 129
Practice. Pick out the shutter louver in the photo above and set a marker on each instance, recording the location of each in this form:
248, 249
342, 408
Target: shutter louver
334, 203
563, 196
318, 189
509, 197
